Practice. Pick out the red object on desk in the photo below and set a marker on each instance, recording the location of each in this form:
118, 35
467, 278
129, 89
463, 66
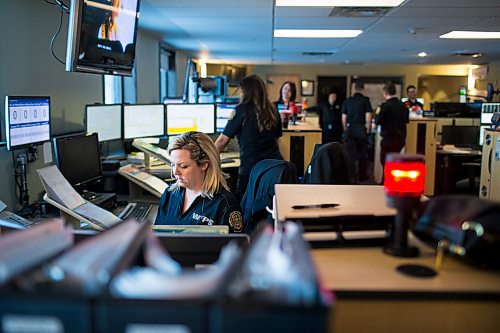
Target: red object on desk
293, 108
404, 176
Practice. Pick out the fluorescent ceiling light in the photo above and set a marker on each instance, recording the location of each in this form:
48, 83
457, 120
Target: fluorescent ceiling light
422, 54
472, 35
338, 3
302, 33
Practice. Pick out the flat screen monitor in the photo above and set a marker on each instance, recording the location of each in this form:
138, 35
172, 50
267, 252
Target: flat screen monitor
482, 128
487, 111
224, 113
182, 118
460, 136
78, 159
105, 120
143, 120
102, 36
27, 121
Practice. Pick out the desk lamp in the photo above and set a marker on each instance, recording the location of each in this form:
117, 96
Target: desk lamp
404, 183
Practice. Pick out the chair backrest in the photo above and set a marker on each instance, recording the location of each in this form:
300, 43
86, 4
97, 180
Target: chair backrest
260, 190
328, 165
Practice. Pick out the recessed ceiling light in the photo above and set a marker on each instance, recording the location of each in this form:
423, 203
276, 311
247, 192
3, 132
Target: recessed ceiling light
422, 54
338, 3
477, 55
472, 35
303, 33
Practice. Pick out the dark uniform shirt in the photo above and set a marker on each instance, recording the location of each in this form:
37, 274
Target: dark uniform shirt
409, 104
392, 119
356, 107
222, 209
255, 146
330, 121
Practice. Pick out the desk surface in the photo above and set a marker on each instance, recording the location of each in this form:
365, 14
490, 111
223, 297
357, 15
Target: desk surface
353, 200
356, 270
302, 127
452, 150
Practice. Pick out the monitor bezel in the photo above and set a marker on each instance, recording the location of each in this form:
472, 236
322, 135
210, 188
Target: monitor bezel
149, 136
214, 129
103, 105
9, 145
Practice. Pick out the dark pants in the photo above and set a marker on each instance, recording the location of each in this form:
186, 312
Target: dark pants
356, 149
387, 147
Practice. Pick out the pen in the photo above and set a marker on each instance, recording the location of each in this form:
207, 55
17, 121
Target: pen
327, 205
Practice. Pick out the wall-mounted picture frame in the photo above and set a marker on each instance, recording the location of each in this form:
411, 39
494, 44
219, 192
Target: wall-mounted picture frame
306, 87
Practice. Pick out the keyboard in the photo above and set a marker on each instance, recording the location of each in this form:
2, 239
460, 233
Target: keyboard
137, 210
226, 160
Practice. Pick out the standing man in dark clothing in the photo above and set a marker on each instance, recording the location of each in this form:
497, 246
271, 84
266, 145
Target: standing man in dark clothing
330, 118
392, 119
356, 120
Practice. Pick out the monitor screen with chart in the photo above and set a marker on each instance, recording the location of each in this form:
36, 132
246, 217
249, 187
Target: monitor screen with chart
105, 120
27, 121
182, 118
224, 113
143, 120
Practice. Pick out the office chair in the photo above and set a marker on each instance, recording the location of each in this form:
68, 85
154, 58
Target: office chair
470, 185
260, 190
328, 165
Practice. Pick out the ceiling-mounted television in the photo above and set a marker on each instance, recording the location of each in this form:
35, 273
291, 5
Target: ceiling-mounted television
102, 36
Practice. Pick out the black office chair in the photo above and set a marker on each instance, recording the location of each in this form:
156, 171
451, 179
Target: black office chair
328, 165
470, 185
260, 190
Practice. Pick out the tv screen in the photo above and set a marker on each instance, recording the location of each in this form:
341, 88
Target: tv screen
105, 120
27, 121
78, 159
102, 36
182, 118
142, 121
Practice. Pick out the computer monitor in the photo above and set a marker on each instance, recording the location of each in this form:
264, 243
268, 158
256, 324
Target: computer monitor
143, 120
482, 128
78, 159
27, 121
466, 136
223, 114
487, 111
105, 120
182, 118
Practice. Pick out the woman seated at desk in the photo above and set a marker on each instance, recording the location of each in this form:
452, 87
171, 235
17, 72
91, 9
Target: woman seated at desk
200, 195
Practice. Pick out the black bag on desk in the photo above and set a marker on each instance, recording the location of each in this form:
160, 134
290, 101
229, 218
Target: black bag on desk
466, 222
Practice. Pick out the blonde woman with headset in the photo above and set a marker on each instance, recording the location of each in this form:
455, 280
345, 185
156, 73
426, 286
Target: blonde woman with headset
200, 195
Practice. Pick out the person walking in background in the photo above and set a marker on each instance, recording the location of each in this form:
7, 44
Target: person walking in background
356, 121
330, 118
288, 93
257, 125
392, 118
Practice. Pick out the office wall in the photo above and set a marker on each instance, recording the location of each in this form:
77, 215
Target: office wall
410, 73
147, 68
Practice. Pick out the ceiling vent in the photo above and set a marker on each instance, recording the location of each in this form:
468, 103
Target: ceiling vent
318, 54
359, 11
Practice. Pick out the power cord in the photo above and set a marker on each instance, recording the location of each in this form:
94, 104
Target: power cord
64, 8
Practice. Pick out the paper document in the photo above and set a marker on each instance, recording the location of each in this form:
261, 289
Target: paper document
61, 191
58, 188
156, 183
97, 215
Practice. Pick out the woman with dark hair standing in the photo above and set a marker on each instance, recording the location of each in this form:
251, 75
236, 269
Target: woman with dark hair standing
288, 93
257, 125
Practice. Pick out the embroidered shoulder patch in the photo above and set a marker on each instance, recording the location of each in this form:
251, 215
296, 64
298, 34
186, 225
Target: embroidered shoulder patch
236, 221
